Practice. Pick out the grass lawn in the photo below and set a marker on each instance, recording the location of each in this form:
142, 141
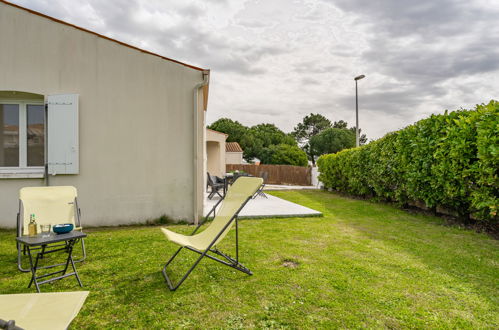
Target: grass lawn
361, 265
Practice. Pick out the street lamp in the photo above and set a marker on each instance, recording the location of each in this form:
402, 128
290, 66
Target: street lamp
357, 110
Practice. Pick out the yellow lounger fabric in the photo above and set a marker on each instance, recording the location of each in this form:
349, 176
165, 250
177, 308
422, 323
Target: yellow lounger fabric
51, 311
237, 194
51, 205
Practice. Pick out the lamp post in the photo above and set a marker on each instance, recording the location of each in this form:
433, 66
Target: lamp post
357, 110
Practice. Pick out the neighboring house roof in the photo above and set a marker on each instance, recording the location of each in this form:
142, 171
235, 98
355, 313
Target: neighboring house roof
101, 36
217, 132
233, 147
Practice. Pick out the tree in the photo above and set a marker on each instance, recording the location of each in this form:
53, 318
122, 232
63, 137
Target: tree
340, 124
252, 146
234, 129
252, 140
269, 135
311, 125
332, 140
238, 133
262, 136
344, 124
284, 154
362, 137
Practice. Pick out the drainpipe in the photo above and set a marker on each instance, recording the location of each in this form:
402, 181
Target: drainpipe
206, 80
46, 149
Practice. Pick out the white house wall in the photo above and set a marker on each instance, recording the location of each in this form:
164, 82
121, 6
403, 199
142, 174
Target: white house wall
215, 149
233, 157
136, 120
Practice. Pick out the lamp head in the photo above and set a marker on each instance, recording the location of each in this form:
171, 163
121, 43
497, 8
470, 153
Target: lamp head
359, 77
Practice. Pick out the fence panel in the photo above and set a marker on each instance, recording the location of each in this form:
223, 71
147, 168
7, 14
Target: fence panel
277, 174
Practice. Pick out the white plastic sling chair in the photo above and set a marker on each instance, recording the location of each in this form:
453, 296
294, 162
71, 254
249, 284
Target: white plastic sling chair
50, 205
236, 198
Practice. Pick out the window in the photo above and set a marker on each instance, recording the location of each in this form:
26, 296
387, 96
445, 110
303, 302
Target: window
22, 136
27, 142
9, 137
35, 135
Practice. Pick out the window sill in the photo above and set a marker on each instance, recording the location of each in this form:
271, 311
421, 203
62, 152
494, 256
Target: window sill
22, 173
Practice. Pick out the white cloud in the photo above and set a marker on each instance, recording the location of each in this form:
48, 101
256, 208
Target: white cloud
276, 61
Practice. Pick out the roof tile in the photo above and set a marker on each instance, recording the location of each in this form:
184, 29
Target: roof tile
233, 147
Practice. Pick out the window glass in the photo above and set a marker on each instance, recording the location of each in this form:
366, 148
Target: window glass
35, 135
9, 135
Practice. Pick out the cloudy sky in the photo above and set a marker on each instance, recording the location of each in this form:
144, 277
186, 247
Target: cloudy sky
277, 60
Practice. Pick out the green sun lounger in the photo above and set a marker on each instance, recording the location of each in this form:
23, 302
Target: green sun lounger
224, 218
50, 311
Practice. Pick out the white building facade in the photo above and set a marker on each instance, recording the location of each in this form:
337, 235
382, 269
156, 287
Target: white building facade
122, 125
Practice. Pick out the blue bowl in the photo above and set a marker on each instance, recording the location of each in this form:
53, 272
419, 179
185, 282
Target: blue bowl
63, 228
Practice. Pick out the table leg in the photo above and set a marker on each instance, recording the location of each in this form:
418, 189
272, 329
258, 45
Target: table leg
68, 248
70, 258
35, 267
67, 261
33, 270
76, 273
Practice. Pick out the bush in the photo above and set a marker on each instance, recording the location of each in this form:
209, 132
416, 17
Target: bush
332, 140
284, 154
447, 161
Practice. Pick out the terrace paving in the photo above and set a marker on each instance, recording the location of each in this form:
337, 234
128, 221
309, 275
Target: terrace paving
270, 207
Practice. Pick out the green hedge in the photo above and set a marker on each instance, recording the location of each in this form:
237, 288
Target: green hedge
448, 161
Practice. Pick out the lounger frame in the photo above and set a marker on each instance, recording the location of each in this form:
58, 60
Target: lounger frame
229, 261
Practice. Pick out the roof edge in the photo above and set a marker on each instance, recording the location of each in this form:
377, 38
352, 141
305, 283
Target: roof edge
100, 35
209, 129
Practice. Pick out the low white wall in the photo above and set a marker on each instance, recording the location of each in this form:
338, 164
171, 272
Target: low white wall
233, 157
315, 177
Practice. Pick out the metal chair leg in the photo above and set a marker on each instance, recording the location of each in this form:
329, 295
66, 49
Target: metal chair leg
83, 251
170, 284
234, 263
260, 192
231, 262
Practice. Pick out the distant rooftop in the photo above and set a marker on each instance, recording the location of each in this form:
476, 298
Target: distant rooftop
233, 147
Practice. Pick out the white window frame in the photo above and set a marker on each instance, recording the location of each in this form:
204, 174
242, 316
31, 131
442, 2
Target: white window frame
23, 170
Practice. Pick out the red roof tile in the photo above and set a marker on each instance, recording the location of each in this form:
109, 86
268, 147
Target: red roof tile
233, 147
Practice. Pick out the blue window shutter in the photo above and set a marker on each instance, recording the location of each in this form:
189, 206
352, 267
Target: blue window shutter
62, 134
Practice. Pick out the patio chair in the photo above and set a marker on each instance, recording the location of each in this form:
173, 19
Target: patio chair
51, 205
236, 198
265, 177
216, 184
54, 310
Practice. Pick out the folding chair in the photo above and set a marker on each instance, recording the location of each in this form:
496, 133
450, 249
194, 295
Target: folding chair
53, 310
215, 184
51, 205
236, 198
265, 177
